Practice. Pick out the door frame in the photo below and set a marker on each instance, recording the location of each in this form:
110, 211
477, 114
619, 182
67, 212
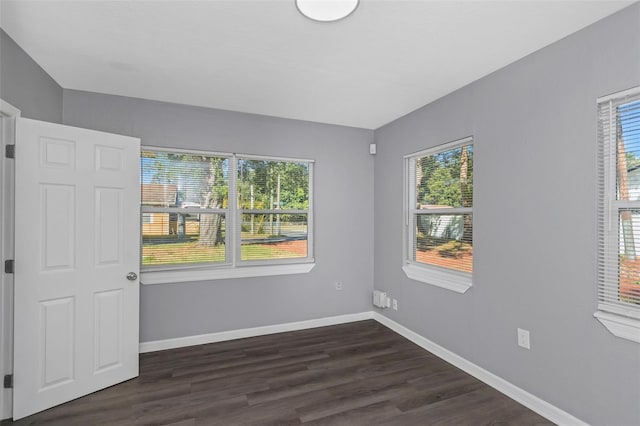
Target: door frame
7, 191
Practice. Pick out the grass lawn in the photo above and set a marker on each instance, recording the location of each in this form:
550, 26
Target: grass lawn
191, 252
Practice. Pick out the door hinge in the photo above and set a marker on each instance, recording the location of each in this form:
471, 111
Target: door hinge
8, 381
9, 266
10, 151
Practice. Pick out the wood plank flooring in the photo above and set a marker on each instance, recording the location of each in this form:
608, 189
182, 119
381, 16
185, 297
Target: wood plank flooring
352, 374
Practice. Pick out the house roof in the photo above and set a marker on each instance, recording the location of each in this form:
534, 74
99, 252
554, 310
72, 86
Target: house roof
154, 194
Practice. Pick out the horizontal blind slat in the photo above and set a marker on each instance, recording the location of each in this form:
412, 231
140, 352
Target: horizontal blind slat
618, 216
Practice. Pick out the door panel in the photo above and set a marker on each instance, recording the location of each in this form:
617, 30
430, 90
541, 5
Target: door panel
77, 237
109, 221
57, 337
58, 207
108, 333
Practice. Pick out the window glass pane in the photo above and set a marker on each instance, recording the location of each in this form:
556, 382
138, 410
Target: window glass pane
179, 238
629, 256
270, 184
628, 151
274, 236
444, 240
184, 180
445, 179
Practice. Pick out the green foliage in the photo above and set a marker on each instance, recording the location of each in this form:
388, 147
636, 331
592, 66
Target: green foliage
443, 188
633, 160
264, 175
201, 179
440, 178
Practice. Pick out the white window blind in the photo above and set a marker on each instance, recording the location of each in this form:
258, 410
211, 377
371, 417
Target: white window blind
619, 204
274, 201
224, 210
440, 207
184, 208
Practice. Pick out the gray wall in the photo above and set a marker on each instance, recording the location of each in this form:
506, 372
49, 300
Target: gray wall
343, 214
534, 125
26, 86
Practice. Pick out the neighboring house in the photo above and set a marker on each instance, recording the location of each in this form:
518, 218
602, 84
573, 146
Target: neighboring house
154, 224
633, 175
159, 195
630, 255
633, 181
440, 226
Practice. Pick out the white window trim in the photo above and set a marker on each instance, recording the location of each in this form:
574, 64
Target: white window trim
456, 281
620, 326
233, 268
210, 274
450, 280
621, 321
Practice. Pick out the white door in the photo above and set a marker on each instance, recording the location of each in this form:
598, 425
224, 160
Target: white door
77, 231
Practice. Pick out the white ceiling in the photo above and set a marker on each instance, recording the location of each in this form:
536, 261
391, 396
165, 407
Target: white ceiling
384, 61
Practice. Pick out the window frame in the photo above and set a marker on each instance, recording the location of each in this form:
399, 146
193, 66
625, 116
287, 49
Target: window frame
308, 212
233, 267
621, 319
457, 281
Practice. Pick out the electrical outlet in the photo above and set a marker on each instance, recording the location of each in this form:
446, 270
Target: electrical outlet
523, 339
338, 285
395, 304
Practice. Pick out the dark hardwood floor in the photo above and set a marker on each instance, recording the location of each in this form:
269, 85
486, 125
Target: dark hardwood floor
352, 374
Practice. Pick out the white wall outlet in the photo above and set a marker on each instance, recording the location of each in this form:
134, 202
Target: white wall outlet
523, 339
395, 304
338, 285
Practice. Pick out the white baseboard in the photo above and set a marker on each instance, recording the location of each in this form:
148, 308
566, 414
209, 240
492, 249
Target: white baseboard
530, 401
179, 342
550, 412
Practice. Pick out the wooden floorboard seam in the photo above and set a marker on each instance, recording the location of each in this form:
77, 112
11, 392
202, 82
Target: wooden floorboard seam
360, 373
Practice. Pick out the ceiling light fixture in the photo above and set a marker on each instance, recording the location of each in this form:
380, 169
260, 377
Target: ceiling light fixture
326, 10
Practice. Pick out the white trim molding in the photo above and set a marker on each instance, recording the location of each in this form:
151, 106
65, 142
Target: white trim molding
620, 326
9, 110
8, 113
543, 408
459, 283
546, 410
193, 275
201, 339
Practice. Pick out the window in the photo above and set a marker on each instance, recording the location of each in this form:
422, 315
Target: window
274, 205
205, 214
619, 213
439, 215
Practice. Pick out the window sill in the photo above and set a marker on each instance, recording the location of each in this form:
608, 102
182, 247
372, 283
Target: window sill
179, 276
458, 282
620, 326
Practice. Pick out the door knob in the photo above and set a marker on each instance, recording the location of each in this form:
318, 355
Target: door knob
132, 276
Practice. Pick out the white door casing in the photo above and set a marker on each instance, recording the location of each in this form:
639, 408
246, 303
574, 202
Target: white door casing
77, 232
7, 114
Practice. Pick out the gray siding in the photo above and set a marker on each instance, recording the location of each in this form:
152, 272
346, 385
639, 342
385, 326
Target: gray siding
534, 128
